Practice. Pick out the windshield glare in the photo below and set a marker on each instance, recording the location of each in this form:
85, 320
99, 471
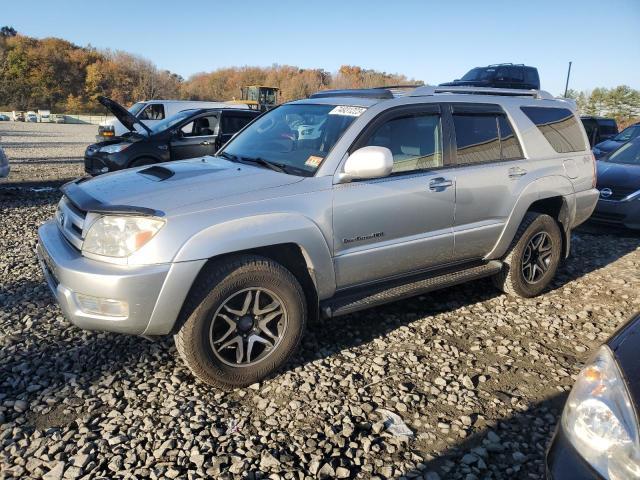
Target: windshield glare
171, 121
136, 107
628, 133
476, 74
298, 136
629, 153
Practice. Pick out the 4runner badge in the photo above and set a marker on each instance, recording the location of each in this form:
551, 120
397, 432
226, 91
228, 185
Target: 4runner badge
361, 238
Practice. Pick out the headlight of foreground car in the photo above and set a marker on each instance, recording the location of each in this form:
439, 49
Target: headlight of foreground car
118, 147
114, 236
599, 420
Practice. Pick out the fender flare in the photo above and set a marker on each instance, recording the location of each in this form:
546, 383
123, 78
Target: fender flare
542, 188
266, 230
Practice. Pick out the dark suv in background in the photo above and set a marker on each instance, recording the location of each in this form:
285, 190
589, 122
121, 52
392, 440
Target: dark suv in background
503, 75
187, 134
599, 129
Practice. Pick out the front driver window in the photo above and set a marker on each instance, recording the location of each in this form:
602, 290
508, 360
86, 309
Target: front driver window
415, 142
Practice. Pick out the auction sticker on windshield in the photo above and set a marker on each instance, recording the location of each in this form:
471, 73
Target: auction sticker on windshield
348, 111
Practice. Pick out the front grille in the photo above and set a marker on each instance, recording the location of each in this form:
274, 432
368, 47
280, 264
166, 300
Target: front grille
71, 222
617, 193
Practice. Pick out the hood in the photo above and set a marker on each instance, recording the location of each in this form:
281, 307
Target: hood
123, 115
607, 145
170, 186
618, 175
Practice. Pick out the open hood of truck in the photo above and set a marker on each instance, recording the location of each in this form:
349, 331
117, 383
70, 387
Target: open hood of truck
122, 114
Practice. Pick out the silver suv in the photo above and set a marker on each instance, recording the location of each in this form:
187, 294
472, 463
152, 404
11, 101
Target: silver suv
323, 206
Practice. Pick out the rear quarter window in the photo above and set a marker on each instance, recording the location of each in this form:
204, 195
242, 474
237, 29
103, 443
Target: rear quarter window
559, 126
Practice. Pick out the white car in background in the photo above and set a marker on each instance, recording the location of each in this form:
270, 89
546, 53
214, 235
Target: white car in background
151, 112
31, 117
44, 116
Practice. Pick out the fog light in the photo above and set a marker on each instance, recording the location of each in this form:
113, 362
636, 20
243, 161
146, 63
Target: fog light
102, 306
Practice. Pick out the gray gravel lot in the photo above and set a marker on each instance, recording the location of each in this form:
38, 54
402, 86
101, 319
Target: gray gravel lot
45, 151
478, 377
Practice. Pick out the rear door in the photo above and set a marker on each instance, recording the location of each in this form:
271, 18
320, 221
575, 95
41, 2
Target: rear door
491, 172
196, 138
231, 122
402, 223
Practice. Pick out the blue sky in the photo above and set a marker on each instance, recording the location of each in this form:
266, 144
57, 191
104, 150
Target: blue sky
429, 41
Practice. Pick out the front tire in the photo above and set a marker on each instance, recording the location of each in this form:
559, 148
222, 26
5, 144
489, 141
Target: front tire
533, 258
247, 317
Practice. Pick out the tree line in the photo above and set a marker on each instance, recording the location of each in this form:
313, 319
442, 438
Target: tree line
55, 74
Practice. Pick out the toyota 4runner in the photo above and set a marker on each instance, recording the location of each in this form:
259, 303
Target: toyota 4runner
323, 206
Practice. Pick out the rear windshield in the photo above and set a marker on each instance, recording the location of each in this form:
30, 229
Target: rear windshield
628, 133
559, 126
608, 127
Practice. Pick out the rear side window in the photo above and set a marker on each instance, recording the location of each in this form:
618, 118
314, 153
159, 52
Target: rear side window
231, 122
608, 127
559, 126
485, 138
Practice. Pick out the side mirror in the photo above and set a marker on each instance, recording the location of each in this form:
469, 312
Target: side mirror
368, 162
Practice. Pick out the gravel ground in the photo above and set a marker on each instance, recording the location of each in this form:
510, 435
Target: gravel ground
478, 379
45, 151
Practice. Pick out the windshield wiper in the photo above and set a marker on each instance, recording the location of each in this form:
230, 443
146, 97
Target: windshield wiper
278, 167
228, 156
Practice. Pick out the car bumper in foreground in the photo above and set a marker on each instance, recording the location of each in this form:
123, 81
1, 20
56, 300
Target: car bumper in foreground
625, 213
563, 462
153, 294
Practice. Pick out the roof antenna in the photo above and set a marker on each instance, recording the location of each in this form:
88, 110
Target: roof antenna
566, 85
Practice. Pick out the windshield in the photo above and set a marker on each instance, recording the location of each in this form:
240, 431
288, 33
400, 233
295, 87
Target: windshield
476, 74
136, 107
297, 136
171, 121
629, 153
628, 133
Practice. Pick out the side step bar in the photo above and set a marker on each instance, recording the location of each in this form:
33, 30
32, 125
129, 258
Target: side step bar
373, 296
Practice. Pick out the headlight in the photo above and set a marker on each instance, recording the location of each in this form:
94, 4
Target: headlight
113, 236
118, 147
599, 420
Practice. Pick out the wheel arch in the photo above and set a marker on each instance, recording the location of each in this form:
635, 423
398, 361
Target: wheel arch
554, 196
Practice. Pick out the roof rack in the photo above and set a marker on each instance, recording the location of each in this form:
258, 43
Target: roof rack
377, 93
508, 92
387, 93
504, 64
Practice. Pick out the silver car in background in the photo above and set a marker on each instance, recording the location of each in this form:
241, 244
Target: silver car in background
323, 206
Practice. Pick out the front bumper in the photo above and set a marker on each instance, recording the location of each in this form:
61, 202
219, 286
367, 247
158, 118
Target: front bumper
97, 163
564, 462
625, 213
154, 293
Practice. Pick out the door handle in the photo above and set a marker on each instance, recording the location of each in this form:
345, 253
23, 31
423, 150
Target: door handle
440, 183
516, 172
205, 143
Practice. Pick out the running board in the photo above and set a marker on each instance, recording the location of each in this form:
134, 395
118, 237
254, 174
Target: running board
373, 296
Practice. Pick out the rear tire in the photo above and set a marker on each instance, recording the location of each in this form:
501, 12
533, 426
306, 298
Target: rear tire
247, 316
533, 257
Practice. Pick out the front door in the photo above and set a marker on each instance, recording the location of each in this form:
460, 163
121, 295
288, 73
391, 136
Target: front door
195, 139
402, 223
231, 123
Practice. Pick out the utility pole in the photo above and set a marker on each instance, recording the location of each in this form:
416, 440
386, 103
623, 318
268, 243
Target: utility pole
566, 86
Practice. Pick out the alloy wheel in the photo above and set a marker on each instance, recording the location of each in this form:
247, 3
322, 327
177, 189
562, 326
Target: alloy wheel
536, 259
247, 327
